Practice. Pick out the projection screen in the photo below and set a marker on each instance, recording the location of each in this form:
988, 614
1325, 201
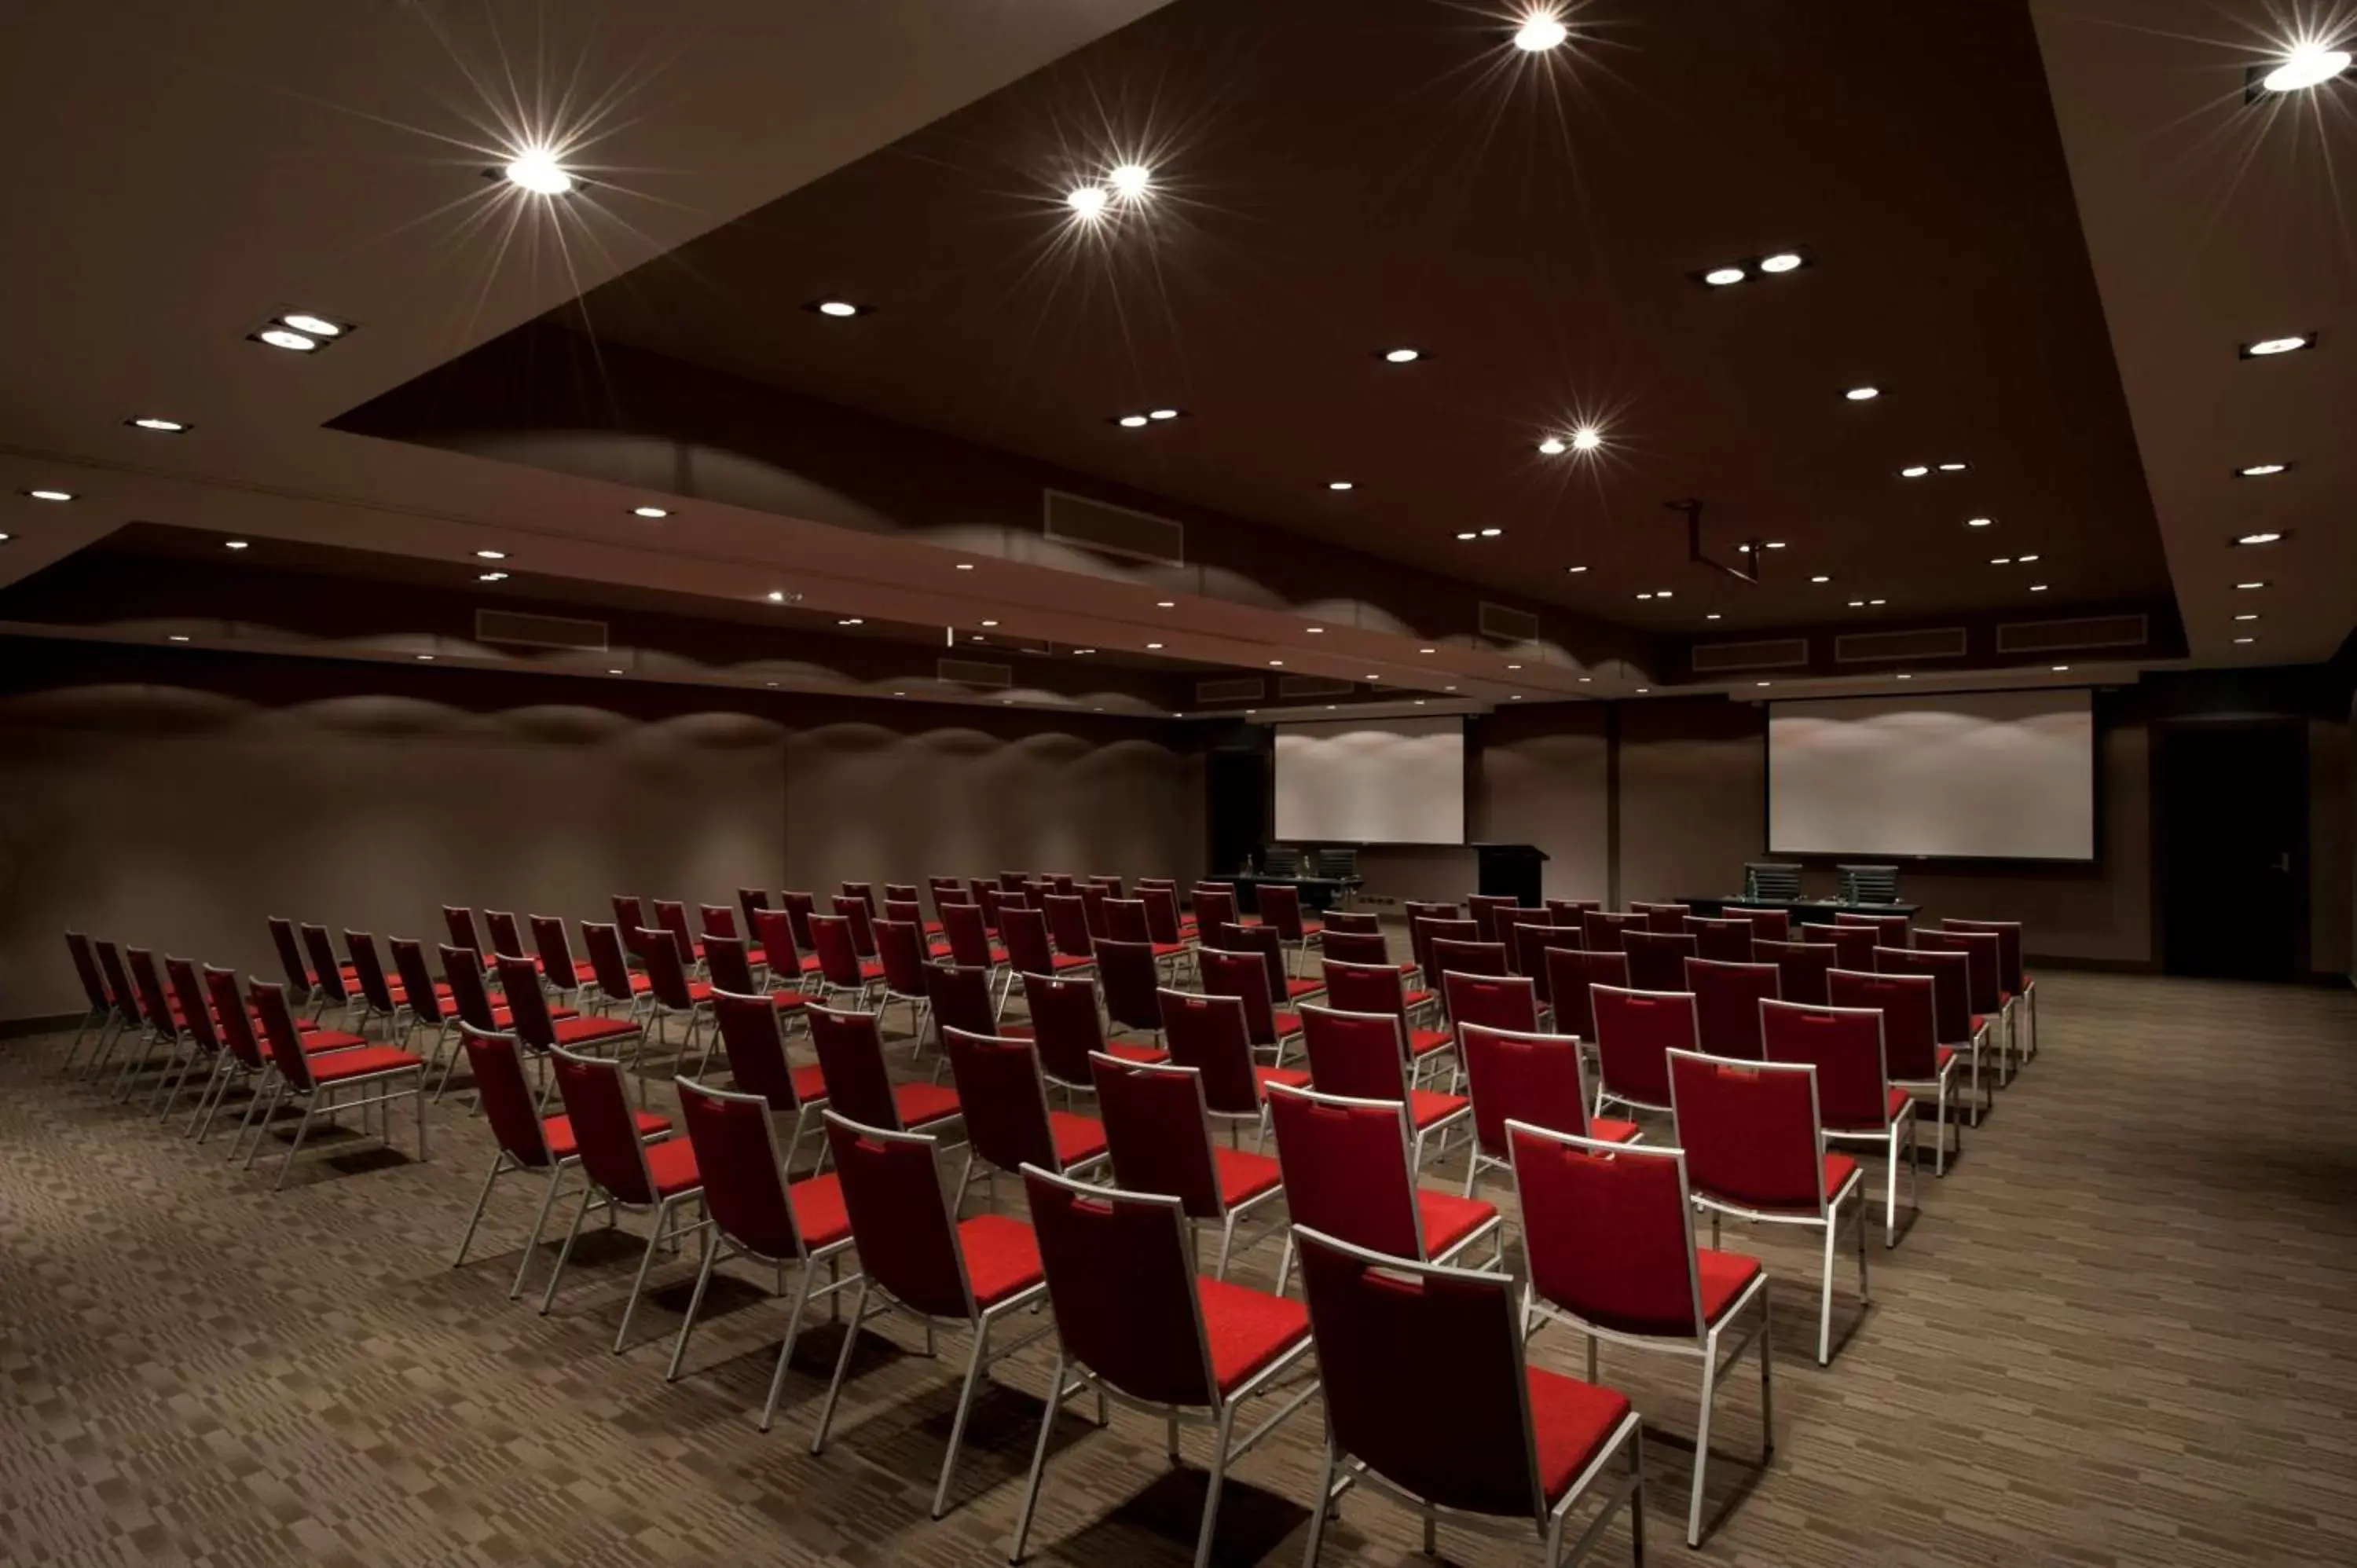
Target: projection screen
1992, 774
1371, 781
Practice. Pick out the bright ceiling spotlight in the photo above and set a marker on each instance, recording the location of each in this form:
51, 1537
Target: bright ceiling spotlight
841, 309
1403, 356
1132, 422
1951, 467
650, 511
2240, 640
850, 620
1863, 394
1467, 533
2261, 584
2308, 65
1575, 570
1491, 533
1663, 594
50, 495
2267, 348
1131, 180
2059, 669
2037, 587
1820, 578
1154, 646
2248, 615
1553, 445
1781, 261
318, 326
1338, 484
282, 337
1588, 438
1979, 522
492, 554
2261, 470
2265, 538
1913, 471
236, 544
1161, 414
1088, 201
777, 596
491, 577
535, 169
164, 426
1719, 277
1544, 30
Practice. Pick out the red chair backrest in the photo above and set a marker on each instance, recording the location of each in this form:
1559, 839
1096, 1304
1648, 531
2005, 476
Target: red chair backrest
719, 919
1533, 942
1280, 908
507, 1099
1345, 1166
1853, 945
1723, 942
1360, 1055
1353, 987
851, 1062
1572, 911
458, 922
1004, 1099
1093, 899
548, 940
468, 998
750, 899
195, 1006
1608, 1232
278, 1032
1602, 929
1727, 1003
1024, 932
1667, 919
1495, 1003
629, 918
862, 921
799, 908
230, 1012
961, 997
1121, 1275
109, 963
1215, 906
774, 930
1126, 921
837, 949
1452, 957
1983, 975
724, 960
1261, 939
1571, 972
93, 984
607, 958
1892, 930
969, 939
1800, 966
1426, 929
527, 1005
331, 973
900, 1222
863, 891
1068, 924
1212, 1034
1161, 914
2008, 948
290, 959
744, 1177
1844, 1045
147, 984
1065, 1025
900, 949
1749, 1131
666, 965
1635, 1032
599, 1106
755, 1045
1159, 1131
1355, 946
1353, 922
416, 982
1657, 961
1245, 977
1461, 1440
1126, 972
1952, 1012
1522, 1076
1483, 907
1910, 1009
1775, 925
507, 936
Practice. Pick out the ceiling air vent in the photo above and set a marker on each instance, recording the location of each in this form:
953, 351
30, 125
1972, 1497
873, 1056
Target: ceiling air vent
1115, 530
1243, 689
1312, 686
522, 630
975, 673
2082, 631
1770, 653
1885, 647
1501, 623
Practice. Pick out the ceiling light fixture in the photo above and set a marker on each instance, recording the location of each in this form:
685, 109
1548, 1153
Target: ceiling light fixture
1467, 533
492, 554
1643, 690
1760, 682
1951, 467
1914, 471
1719, 277
651, 511
1781, 261
1644, 595
50, 495
1820, 578
1277, 663
1338, 484
1427, 650
1553, 445
777, 596
161, 426
2240, 640
1663, 594
2308, 65
1540, 31
1978, 521
1491, 533
2261, 584
1877, 601
1161, 414
535, 169
2059, 669
1857, 604
841, 309
1314, 630
233, 545
2260, 470
1775, 544
2037, 587
1087, 201
2268, 348
175, 637
2261, 538
965, 565
1514, 667
2248, 615
1131, 421
1154, 646
854, 620
491, 577
425, 658
2025, 559
1132, 181
1863, 394
990, 624
1574, 571
1587, 438
1903, 676
1166, 603
1403, 356
313, 323
285, 337
2000, 560
613, 672
1712, 615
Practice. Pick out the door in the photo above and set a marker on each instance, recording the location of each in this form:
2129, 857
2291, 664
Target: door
2231, 847
1236, 783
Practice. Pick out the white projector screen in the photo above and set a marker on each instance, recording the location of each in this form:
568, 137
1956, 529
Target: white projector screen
1992, 774
1371, 781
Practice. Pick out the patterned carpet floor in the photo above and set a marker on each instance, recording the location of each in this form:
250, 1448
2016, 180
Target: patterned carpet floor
2123, 1330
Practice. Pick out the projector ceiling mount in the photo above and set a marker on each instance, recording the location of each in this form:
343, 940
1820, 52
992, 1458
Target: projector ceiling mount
1746, 569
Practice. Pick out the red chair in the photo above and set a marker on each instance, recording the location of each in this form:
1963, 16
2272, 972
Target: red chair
1853, 945
619, 985
900, 951
1722, 942
459, 923
1068, 926
1727, 1003
858, 1084
1635, 1032
372, 992
1912, 1054
622, 1171
1494, 1002
752, 1210
1127, 921
337, 979
1960, 1029
789, 967
909, 911
1452, 957
671, 917
841, 969
730, 964
1067, 1030
1136, 1323
1486, 1436
917, 1255
1573, 975
753, 1042
1245, 977
1541, 1079
1985, 990
720, 921
104, 1014
1754, 1148
1665, 919
1771, 925
314, 1079
1131, 977
1602, 929
542, 1030
1572, 912
1609, 1247
164, 1026
965, 928
127, 1001
247, 1056
1358, 922
1801, 968
1028, 948
1424, 920
1262, 939
1855, 1095
555, 955
1348, 1172
1657, 961
1337, 946
1379, 988
2020, 991
863, 891
301, 979
752, 900
961, 999
1891, 930
1280, 913
1363, 1056
1007, 1122
1215, 906
527, 1140
190, 1000
1212, 1034
862, 918
1159, 1131
1532, 945
1163, 921
1484, 908
672, 994
799, 907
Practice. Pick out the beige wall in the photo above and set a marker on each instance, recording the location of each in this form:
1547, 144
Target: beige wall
176, 802
1543, 780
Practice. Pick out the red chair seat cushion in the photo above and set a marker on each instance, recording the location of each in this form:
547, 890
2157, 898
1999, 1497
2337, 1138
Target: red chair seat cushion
1169, 950
1980, 1021
672, 1164
589, 1031
1425, 1108
1892, 1107
639, 984
1723, 1276
1570, 1420
1604, 1129
326, 1040
820, 1213
1283, 1077
809, 1084
564, 1145
1287, 1023
1413, 999
1839, 1169
362, 1062
1245, 1175
1246, 1330
1312, 928
1072, 961
1122, 1051
1295, 990
1078, 1138
810, 963
1448, 1219
1424, 1042
585, 974
1002, 1256
922, 1103
788, 1001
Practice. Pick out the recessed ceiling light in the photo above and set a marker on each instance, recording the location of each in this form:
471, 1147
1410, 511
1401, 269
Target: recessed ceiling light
777, 596
1427, 650
1584, 680
50, 495
1514, 667
1904, 676
2261, 470
1084, 650
1978, 521
1775, 544
1329, 707
177, 637
535, 169
1863, 394
1857, 604
2262, 538
1588, 438
1914, 471
282, 338
1761, 682
1467, 533
1132, 422
841, 309
491, 577
492, 554
613, 672
2240, 640
160, 425
1403, 356
2000, 560
987, 623
1540, 31
318, 326
1820, 578
2059, 669
1131, 180
1166, 603
2037, 587
425, 658
1154, 646
1712, 615
650, 511
236, 544
1087, 201
1314, 630
773, 684
2267, 348
1951, 467
2305, 66
1575, 570
1643, 690
1338, 484
2025, 559
854, 620
965, 565
1491, 533
1553, 445
1448, 688
1877, 601
1644, 595
1719, 277
2248, 615
1419, 703
1781, 261
1161, 414
1663, 594
1374, 677
1277, 663
2260, 583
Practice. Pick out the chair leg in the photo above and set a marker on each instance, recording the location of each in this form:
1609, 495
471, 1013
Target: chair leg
842, 1365
1890, 1188
1825, 1312
548, 1296
688, 1323
1702, 1437
646, 1261
1767, 1381
310, 1102
539, 1221
1324, 1503
1039, 1459
499, 1164
1227, 1240
964, 1407
786, 1351
1285, 1262
1211, 1495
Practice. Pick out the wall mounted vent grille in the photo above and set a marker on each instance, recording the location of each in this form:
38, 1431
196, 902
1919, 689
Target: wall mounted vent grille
1114, 530
518, 630
1772, 653
975, 673
1312, 686
1503, 623
2082, 631
1885, 647
1243, 689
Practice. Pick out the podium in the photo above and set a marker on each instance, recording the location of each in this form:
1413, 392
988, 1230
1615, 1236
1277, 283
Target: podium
1512, 870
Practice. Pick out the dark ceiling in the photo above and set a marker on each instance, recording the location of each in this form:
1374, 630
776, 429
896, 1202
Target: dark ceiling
1332, 177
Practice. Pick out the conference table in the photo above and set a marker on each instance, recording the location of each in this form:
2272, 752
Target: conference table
1317, 892
1803, 911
